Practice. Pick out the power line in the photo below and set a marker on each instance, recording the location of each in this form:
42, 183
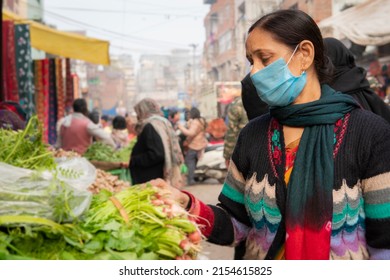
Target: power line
106, 31
166, 14
112, 33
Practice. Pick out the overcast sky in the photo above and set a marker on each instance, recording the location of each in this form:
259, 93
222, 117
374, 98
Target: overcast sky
133, 26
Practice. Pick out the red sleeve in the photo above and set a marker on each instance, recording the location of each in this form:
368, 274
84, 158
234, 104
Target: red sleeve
203, 214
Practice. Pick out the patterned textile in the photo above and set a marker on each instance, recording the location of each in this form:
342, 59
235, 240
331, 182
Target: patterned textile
41, 80
69, 86
60, 89
24, 68
10, 84
38, 84
252, 196
52, 119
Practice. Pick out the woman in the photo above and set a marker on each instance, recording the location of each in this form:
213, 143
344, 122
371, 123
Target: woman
311, 179
351, 79
157, 153
196, 142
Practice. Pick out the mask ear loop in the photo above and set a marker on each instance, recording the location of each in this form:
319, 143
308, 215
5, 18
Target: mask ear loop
292, 54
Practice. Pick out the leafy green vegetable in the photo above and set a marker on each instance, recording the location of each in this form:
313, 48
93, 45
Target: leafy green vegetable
24, 148
131, 224
102, 152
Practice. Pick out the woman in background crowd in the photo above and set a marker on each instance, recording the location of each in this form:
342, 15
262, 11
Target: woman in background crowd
195, 133
157, 152
351, 79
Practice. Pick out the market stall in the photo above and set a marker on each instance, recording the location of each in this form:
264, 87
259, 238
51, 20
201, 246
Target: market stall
43, 87
57, 205
363, 24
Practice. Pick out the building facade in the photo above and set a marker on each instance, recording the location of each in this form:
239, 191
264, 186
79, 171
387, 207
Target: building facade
219, 50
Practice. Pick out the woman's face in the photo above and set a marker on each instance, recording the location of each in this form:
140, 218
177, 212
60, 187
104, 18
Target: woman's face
262, 49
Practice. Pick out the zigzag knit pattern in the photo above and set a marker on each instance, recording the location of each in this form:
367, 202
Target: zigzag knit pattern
254, 191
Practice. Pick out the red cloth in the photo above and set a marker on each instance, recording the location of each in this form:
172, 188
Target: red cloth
10, 82
296, 250
45, 86
76, 137
60, 89
69, 85
205, 214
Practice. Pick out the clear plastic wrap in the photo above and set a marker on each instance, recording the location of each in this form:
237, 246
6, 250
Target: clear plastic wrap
60, 195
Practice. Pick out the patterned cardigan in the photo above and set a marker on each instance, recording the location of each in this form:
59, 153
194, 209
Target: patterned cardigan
252, 201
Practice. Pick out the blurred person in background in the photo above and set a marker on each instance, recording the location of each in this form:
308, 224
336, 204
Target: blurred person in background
216, 130
106, 123
12, 116
253, 105
237, 119
94, 116
174, 118
156, 153
130, 124
351, 79
119, 132
376, 79
76, 131
196, 141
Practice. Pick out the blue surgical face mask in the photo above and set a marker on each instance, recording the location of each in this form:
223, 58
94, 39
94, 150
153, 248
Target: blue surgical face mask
276, 85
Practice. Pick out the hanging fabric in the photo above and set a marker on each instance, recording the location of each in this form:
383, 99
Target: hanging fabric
10, 83
69, 86
39, 96
52, 120
60, 88
24, 71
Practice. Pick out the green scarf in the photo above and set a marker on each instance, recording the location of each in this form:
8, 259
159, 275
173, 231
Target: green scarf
309, 202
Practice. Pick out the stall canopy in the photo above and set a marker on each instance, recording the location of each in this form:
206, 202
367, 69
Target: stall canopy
65, 44
364, 24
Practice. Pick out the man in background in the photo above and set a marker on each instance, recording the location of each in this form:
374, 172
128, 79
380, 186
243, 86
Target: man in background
76, 131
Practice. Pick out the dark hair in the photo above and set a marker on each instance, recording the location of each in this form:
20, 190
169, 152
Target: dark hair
194, 113
94, 116
119, 122
172, 113
105, 118
291, 27
80, 106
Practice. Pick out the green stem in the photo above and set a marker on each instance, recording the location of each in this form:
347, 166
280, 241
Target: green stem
13, 219
19, 140
36, 157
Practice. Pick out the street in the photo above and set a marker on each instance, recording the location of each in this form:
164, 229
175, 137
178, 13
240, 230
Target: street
208, 192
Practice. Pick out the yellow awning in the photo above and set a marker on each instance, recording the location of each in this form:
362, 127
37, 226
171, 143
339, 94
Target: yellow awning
65, 44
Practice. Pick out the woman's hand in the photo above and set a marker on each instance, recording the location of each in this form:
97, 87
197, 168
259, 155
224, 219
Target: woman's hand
175, 194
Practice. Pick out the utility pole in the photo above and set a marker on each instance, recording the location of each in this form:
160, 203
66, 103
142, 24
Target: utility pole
194, 46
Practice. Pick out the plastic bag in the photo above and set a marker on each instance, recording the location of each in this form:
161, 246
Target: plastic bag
61, 195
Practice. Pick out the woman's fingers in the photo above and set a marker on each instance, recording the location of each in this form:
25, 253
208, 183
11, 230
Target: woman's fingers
159, 183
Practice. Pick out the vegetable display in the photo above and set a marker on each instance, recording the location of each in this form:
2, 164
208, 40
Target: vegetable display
64, 208
24, 148
99, 151
136, 223
107, 181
